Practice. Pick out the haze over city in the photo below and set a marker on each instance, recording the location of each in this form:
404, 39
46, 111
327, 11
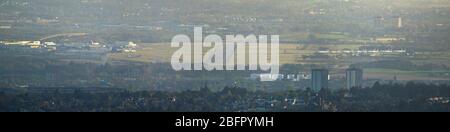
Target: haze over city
334, 55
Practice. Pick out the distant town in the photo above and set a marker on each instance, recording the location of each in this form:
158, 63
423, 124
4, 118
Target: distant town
335, 55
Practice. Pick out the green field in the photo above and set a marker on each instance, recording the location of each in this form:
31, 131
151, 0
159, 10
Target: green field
405, 75
292, 54
302, 36
162, 52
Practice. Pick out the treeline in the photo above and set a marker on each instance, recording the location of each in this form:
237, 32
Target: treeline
409, 97
379, 98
